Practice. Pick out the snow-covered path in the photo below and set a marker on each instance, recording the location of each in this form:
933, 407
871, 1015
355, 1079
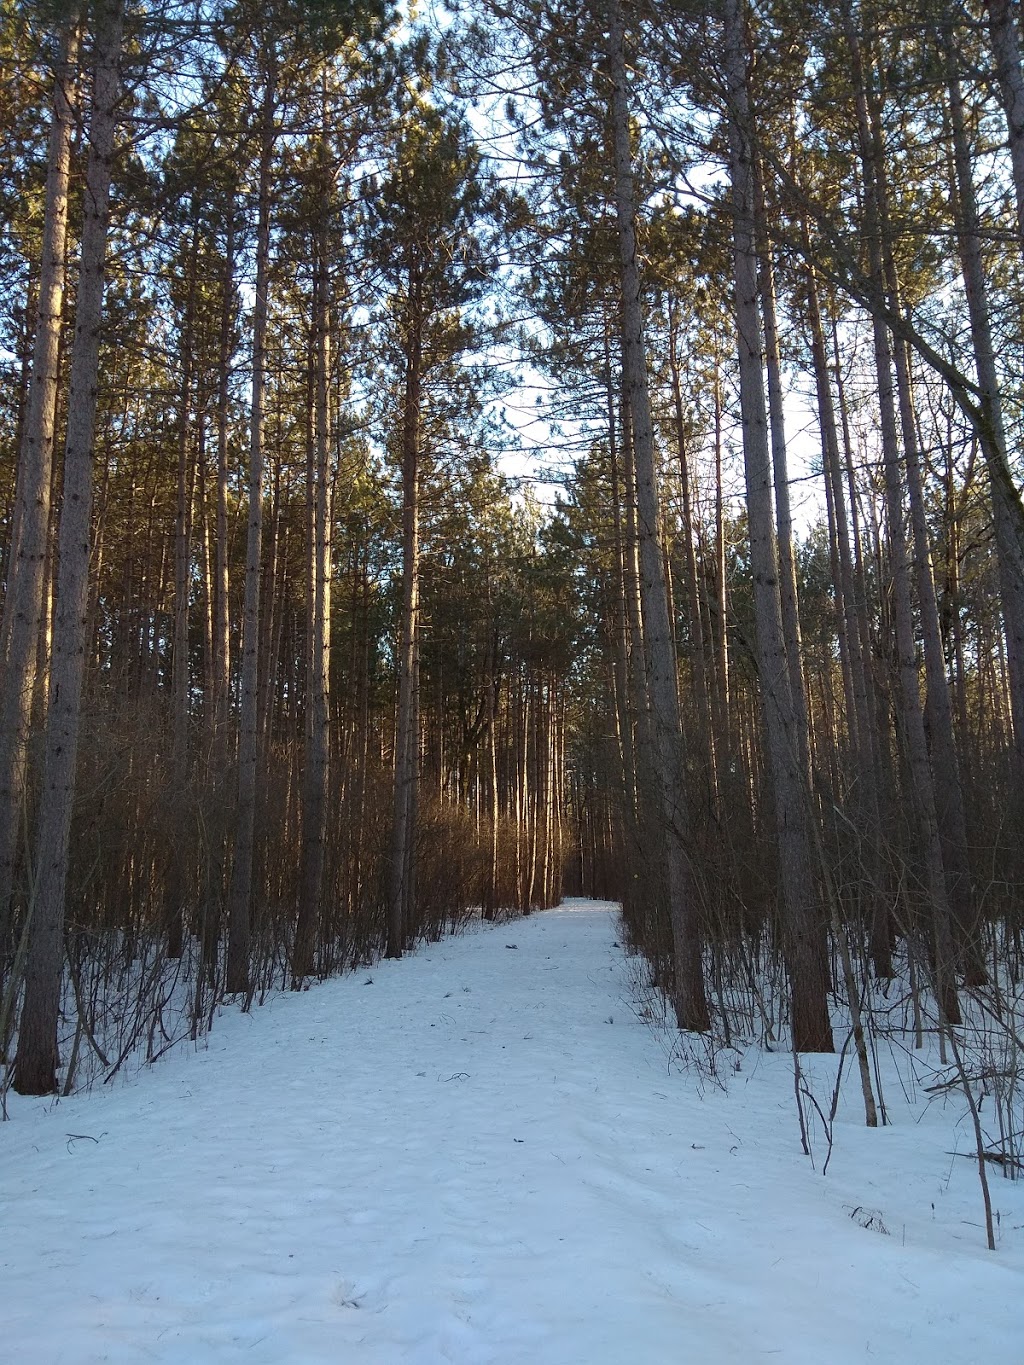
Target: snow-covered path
478, 1155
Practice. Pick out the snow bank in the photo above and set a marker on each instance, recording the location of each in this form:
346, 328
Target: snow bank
481, 1154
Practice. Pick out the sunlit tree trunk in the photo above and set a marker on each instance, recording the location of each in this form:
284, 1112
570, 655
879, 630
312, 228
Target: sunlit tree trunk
693, 604
221, 603
402, 853
35, 1068
670, 774
176, 886
625, 698
493, 683
720, 623
317, 772
25, 603
239, 905
804, 921
1003, 20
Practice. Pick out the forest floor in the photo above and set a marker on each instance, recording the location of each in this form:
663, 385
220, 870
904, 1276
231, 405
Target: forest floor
486, 1154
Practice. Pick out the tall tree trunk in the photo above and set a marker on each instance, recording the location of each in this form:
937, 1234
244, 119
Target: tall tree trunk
176, 887
912, 728
860, 707
670, 773
221, 610
696, 624
35, 1068
403, 834
938, 713
493, 684
720, 696
317, 773
25, 603
912, 732
239, 906
804, 921
780, 471
649, 867
626, 700
220, 746
271, 581
1003, 18
839, 536
1007, 515
204, 550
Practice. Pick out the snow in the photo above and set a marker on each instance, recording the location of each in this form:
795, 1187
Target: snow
484, 1154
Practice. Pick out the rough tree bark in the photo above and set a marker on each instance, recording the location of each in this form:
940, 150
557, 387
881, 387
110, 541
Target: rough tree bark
35, 1066
1005, 39
401, 864
690, 571
908, 696
240, 887
221, 609
25, 602
317, 773
788, 597
177, 884
1007, 516
803, 918
669, 777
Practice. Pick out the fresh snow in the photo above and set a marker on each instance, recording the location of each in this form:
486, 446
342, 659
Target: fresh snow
484, 1154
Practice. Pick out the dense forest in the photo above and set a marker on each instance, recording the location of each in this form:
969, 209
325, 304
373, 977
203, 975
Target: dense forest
299, 668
